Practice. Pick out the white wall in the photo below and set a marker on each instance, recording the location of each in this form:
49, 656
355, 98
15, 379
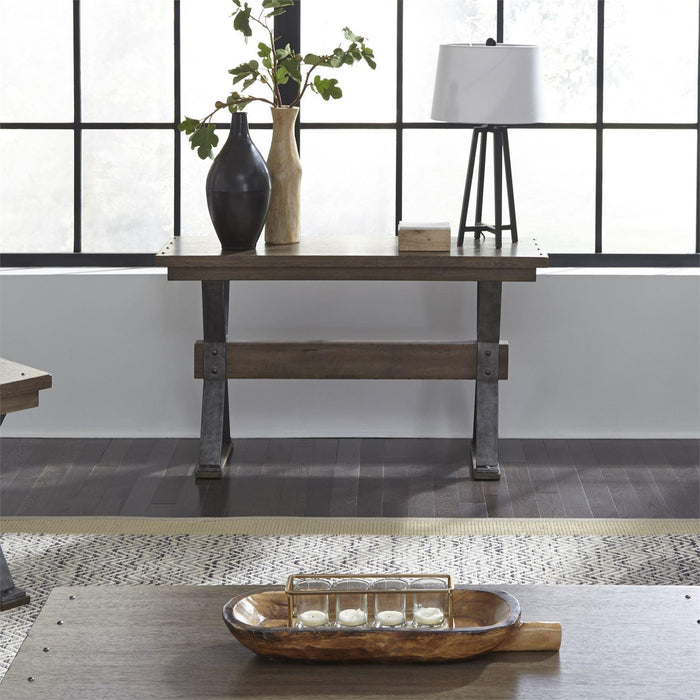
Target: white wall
593, 354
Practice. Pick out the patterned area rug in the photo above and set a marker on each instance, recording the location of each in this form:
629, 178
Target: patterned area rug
40, 562
283, 525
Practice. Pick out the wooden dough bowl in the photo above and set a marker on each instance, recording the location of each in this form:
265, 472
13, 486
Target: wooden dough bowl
483, 621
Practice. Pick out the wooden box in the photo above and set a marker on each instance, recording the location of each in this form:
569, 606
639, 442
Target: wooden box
424, 236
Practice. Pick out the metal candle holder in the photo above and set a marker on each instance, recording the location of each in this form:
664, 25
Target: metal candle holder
292, 594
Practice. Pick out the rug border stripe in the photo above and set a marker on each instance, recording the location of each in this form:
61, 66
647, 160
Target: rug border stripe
348, 526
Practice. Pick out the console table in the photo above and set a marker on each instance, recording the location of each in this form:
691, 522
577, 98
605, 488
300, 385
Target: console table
349, 258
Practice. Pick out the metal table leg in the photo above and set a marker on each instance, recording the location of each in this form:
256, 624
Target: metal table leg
215, 440
10, 595
484, 452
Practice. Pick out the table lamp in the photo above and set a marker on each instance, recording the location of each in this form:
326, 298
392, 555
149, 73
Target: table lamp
492, 85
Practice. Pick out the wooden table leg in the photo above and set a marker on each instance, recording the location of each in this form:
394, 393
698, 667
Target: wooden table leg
484, 451
215, 434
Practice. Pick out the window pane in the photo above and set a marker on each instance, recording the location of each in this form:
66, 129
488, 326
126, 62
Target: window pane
127, 190
651, 61
36, 55
434, 175
554, 184
434, 171
127, 60
567, 33
368, 95
425, 28
649, 189
195, 215
209, 48
348, 185
36, 191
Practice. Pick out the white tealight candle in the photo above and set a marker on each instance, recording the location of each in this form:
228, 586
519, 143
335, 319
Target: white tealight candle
390, 618
352, 617
313, 618
428, 616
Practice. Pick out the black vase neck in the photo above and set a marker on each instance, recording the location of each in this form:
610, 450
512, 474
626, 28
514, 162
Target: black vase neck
239, 125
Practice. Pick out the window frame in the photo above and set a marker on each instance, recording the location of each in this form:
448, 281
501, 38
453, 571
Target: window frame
288, 28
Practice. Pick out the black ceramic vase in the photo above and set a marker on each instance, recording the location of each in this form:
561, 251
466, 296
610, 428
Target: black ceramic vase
238, 189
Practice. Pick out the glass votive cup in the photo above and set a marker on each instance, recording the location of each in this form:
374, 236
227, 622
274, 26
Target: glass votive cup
311, 609
350, 602
429, 607
390, 607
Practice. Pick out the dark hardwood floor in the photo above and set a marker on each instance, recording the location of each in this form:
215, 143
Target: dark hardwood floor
351, 478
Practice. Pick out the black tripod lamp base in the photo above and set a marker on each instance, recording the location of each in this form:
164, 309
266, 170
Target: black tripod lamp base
501, 158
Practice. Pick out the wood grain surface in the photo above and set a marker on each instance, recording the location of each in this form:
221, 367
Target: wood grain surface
283, 223
350, 477
170, 642
482, 621
349, 258
350, 360
20, 386
424, 239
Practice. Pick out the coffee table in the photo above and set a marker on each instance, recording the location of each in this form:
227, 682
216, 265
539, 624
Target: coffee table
170, 642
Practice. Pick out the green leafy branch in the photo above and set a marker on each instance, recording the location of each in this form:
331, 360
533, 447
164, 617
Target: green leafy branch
276, 67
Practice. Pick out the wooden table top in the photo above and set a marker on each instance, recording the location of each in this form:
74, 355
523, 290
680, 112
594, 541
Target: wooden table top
20, 386
170, 642
350, 258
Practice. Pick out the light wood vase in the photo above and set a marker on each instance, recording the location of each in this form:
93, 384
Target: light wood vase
282, 226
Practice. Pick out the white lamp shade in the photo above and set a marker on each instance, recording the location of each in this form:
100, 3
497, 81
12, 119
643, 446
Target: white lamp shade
479, 84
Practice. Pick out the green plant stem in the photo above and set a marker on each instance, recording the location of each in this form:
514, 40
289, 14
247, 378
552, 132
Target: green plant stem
276, 94
302, 90
207, 119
